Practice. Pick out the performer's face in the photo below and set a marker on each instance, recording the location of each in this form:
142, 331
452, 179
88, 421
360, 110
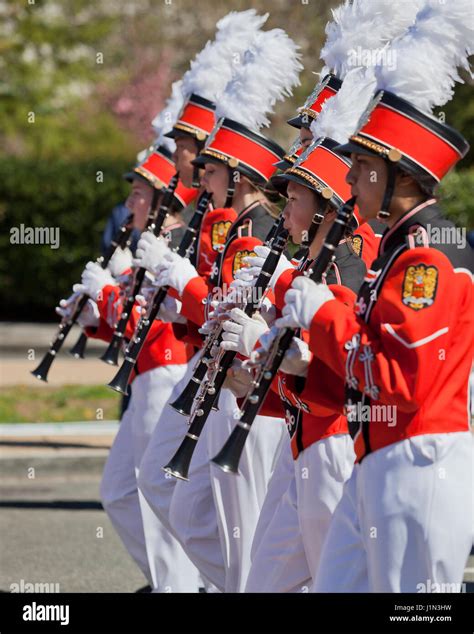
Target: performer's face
367, 178
299, 211
139, 201
306, 136
186, 151
216, 181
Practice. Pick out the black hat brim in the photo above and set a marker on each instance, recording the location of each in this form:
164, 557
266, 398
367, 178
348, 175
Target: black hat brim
280, 183
300, 122
346, 149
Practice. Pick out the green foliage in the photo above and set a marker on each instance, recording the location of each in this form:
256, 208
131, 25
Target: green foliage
457, 197
69, 403
46, 194
67, 195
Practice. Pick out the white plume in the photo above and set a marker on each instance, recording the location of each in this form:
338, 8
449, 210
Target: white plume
165, 120
212, 68
340, 115
427, 57
269, 70
362, 27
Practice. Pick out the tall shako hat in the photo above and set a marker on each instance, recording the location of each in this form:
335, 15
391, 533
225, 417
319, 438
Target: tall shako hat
324, 89
398, 125
268, 71
358, 26
157, 169
318, 168
155, 164
211, 70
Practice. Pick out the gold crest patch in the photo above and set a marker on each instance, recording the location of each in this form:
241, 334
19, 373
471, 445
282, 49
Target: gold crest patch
219, 234
419, 286
238, 259
357, 244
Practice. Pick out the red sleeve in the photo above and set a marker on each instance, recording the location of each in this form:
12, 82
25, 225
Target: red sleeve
193, 299
282, 284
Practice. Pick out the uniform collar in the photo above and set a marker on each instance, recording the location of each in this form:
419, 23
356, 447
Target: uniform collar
420, 214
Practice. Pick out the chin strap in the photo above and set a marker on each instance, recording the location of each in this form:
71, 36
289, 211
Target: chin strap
196, 177
231, 188
392, 170
316, 221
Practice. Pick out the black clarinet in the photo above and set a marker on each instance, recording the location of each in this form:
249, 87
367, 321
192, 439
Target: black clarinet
120, 381
154, 224
228, 457
120, 241
209, 391
184, 403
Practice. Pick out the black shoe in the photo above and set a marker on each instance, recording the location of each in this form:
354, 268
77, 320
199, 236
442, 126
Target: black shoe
145, 589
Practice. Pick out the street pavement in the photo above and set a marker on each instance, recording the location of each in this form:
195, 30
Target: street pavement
53, 527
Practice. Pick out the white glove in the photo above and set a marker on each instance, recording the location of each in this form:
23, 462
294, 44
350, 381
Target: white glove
170, 311
150, 251
175, 271
254, 265
238, 380
268, 311
242, 332
302, 302
94, 279
297, 358
89, 316
120, 262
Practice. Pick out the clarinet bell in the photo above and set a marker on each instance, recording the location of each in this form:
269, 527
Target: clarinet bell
228, 457
120, 381
178, 466
41, 372
78, 349
111, 355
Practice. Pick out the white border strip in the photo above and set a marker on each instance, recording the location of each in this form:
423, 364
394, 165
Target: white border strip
420, 342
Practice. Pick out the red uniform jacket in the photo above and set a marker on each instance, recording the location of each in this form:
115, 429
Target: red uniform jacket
405, 348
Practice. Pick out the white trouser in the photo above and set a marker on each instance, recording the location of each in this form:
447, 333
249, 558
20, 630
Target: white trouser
278, 557
320, 473
156, 485
239, 498
215, 513
405, 521
193, 517
157, 553
287, 555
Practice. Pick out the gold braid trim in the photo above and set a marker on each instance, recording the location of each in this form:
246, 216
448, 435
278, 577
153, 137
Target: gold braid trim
392, 153
199, 134
311, 179
154, 180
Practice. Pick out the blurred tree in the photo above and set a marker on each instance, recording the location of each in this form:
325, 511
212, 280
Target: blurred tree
95, 73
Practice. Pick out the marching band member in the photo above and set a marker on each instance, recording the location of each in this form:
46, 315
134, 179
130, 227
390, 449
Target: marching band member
208, 76
321, 446
405, 348
238, 162
163, 362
